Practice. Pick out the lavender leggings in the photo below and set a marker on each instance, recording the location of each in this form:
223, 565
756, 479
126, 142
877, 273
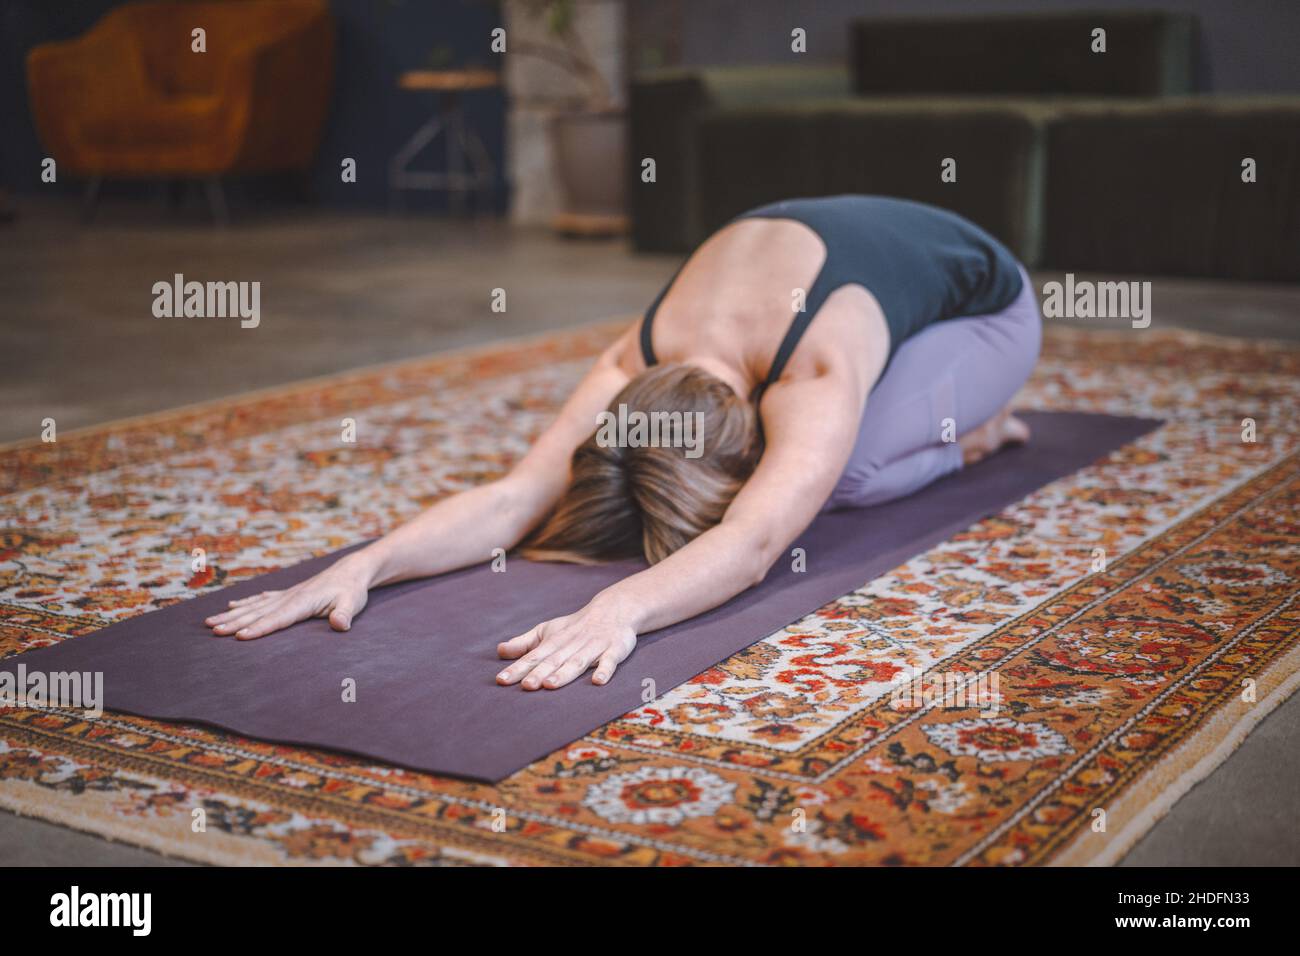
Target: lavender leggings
965, 369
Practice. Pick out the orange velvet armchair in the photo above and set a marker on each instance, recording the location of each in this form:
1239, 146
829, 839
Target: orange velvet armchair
130, 97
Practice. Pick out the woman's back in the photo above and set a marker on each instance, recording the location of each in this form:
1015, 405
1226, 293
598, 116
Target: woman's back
920, 263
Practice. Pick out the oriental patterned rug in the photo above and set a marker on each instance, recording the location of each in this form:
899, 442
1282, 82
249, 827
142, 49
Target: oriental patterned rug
1138, 619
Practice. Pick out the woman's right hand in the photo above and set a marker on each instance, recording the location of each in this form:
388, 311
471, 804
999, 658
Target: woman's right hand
339, 592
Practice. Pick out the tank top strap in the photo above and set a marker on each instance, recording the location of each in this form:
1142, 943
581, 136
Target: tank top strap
816, 298
647, 320
817, 295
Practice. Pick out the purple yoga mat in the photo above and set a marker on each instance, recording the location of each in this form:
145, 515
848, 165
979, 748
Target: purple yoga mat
423, 653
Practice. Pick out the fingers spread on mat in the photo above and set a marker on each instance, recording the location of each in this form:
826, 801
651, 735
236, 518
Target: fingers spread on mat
255, 598
558, 652
521, 645
238, 610
281, 614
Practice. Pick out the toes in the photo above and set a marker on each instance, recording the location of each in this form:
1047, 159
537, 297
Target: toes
1014, 430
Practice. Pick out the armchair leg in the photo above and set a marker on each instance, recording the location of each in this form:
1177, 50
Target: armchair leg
216, 200
90, 199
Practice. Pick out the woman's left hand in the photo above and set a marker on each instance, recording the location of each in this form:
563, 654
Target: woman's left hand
556, 652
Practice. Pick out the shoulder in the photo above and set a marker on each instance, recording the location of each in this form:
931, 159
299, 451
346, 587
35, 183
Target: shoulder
624, 353
848, 338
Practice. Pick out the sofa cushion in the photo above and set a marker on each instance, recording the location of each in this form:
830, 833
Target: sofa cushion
172, 121
1147, 54
817, 148
1156, 188
663, 107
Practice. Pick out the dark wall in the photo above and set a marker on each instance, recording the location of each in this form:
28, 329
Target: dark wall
1247, 45
369, 118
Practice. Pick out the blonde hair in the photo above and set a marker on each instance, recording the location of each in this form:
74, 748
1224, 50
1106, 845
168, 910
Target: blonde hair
623, 501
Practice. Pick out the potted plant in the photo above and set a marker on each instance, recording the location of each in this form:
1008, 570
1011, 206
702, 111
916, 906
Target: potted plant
588, 137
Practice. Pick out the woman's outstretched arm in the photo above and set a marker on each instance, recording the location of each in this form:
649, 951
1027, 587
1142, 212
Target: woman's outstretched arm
456, 532
464, 529
811, 425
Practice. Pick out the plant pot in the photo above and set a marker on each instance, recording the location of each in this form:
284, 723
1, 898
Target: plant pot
590, 151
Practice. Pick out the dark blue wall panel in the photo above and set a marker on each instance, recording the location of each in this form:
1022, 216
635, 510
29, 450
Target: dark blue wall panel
369, 120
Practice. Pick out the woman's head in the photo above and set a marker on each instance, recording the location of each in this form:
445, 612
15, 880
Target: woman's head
671, 452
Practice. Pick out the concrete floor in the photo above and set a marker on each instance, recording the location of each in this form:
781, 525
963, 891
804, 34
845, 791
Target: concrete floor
78, 343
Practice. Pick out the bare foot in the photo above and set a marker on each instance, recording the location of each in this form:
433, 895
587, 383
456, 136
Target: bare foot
1002, 429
